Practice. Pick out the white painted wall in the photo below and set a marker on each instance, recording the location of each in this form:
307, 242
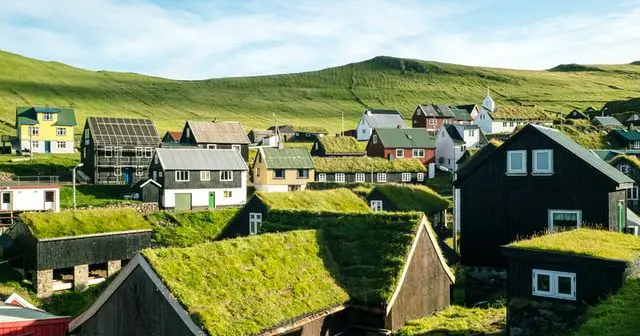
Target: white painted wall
364, 130
200, 197
444, 148
31, 199
484, 121
26, 145
276, 187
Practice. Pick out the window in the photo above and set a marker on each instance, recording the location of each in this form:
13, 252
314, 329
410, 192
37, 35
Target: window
512, 124
255, 221
418, 153
205, 175
472, 133
226, 175
227, 194
188, 133
381, 177
624, 168
148, 152
339, 177
636, 145
399, 152
420, 177
236, 147
504, 124
517, 162
108, 151
86, 134
117, 171
155, 159
463, 148
559, 285
139, 152
322, 177
406, 177
303, 173
155, 175
374, 138
212, 146
632, 194
62, 145
61, 131
182, 176
47, 116
6, 197
432, 122
34, 130
258, 172
160, 174
139, 171
117, 151
307, 135
278, 173
363, 130
543, 161
49, 196
35, 144
560, 220
360, 177
376, 205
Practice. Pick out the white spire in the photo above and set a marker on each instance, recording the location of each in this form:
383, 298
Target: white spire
488, 102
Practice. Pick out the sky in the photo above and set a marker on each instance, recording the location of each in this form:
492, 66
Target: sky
199, 39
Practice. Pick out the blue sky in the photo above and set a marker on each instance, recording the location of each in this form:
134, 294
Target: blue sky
200, 39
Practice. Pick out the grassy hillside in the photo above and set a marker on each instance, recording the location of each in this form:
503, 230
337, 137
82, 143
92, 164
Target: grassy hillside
306, 99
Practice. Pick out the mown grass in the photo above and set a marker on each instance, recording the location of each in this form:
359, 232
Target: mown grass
332, 200
413, 198
82, 222
94, 195
458, 321
41, 165
366, 165
242, 286
183, 229
340, 145
586, 242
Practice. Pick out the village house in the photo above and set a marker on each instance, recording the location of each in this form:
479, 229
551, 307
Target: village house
329, 297
286, 132
576, 115
571, 187
630, 166
19, 320
282, 169
42, 194
377, 119
402, 144
216, 135
192, 179
553, 279
606, 122
117, 150
337, 146
432, 117
171, 138
267, 138
45, 129
624, 138
472, 109
368, 170
309, 133
628, 119
452, 141
505, 119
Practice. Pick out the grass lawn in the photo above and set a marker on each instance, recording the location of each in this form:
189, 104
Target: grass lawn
182, 229
458, 321
441, 183
94, 195
41, 165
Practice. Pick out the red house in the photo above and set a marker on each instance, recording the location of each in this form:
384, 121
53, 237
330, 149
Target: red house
402, 143
432, 117
16, 320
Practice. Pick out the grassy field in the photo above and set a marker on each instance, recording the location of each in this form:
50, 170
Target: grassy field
94, 195
305, 99
183, 229
41, 165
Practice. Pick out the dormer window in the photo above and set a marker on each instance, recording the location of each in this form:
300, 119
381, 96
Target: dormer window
543, 161
47, 116
517, 162
624, 168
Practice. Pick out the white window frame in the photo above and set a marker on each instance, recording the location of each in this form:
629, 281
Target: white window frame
205, 175
180, 175
406, 177
139, 171
375, 205
374, 138
227, 194
432, 121
255, 221
632, 193
418, 153
524, 162
226, 178
360, 177
155, 175
148, 152
339, 178
535, 169
212, 146
108, 151
139, 152
61, 131
34, 130
117, 171
399, 152
420, 177
48, 116
237, 147
35, 144
160, 174
553, 211
553, 284
381, 177
302, 177
62, 145
636, 144
624, 168
322, 177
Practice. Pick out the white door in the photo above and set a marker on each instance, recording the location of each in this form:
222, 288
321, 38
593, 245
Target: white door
255, 220
6, 201
49, 200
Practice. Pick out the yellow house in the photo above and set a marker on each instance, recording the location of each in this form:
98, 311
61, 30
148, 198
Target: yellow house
282, 169
45, 129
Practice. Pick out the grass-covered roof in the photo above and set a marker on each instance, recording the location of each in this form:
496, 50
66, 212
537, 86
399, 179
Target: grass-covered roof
586, 242
366, 164
83, 222
310, 129
630, 159
413, 197
245, 285
341, 145
520, 112
331, 200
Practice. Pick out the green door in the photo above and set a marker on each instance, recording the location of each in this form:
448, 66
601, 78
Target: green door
212, 199
183, 202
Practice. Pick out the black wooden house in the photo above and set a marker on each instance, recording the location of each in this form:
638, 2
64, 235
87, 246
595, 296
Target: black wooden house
536, 181
118, 150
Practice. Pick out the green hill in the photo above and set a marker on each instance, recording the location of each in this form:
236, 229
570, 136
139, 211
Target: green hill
309, 99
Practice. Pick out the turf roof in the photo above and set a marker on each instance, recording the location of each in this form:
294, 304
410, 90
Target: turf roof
83, 222
366, 164
310, 129
413, 197
586, 242
331, 200
340, 145
631, 159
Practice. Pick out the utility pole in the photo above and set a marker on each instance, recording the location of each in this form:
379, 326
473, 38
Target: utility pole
74, 183
342, 124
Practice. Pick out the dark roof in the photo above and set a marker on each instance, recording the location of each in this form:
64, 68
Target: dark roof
175, 136
460, 114
606, 121
227, 132
628, 135
284, 158
458, 138
123, 131
382, 111
200, 159
576, 114
431, 110
283, 129
383, 118
469, 108
475, 160
405, 138
27, 115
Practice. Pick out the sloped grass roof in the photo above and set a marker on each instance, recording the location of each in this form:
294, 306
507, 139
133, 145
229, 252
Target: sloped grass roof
341, 145
245, 285
586, 242
458, 320
83, 222
188, 228
413, 197
310, 129
631, 159
333, 200
517, 112
366, 164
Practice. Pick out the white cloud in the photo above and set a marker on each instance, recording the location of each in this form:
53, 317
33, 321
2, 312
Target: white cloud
205, 40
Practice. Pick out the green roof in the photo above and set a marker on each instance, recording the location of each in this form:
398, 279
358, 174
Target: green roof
245, 285
461, 114
405, 138
331, 200
586, 242
366, 164
27, 115
629, 135
413, 197
283, 158
341, 145
83, 222
631, 159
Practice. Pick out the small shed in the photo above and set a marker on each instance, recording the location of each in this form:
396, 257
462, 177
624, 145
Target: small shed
148, 191
576, 115
337, 146
18, 321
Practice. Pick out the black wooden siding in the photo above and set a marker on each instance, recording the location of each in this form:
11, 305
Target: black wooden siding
497, 209
169, 181
239, 225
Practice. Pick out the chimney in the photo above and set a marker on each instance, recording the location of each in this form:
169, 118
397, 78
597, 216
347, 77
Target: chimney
398, 126
367, 112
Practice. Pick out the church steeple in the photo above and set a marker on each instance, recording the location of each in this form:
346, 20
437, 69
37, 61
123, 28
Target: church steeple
488, 103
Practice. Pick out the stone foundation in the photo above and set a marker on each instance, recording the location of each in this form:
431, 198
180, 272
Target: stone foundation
113, 266
80, 277
527, 317
484, 284
43, 283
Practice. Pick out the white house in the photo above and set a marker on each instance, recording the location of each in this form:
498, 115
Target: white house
29, 198
199, 178
490, 122
378, 119
453, 140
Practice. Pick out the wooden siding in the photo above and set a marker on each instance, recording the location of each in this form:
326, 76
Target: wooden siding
169, 180
46, 327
